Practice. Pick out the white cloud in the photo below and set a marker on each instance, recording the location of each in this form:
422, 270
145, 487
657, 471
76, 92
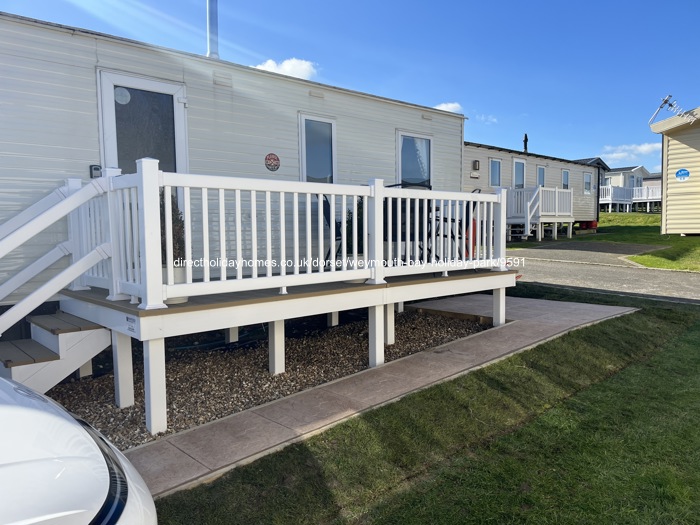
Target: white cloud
629, 152
293, 67
487, 119
454, 107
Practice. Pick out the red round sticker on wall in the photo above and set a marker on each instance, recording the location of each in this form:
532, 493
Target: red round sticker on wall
272, 162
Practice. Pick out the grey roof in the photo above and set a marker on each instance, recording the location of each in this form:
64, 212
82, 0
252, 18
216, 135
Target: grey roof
628, 168
520, 152
594, 161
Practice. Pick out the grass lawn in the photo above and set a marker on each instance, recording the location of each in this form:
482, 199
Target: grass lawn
599, 426
642, 228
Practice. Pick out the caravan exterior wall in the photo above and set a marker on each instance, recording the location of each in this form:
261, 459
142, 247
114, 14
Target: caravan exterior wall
56, 88
680, 210
554, 170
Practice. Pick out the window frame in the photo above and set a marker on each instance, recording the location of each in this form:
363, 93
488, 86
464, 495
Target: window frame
565, 184
524, 163
107, 80
587, 181
400, 134
500, 172
303, 117
544, 175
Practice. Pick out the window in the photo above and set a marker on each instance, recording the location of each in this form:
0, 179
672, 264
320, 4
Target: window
317, 149
518, 173
587, 182
540, 175
414, 162
565, 179
494, 172
608, 181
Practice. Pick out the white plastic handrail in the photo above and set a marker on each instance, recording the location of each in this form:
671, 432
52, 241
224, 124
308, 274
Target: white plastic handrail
49, 216
53, 286
34, 269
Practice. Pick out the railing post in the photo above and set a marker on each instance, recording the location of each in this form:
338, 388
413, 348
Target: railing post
75, 233
149, 221
116, 220
375, 227
499, 230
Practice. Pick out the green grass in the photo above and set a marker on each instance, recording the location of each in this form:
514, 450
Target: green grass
599, 426
683, 253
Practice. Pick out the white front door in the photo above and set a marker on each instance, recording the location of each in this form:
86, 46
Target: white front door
140, 118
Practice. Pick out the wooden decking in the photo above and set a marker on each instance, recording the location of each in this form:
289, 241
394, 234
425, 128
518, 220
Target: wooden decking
232, 310
24, 352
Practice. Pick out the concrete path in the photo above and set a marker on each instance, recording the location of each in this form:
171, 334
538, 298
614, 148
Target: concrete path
186, 459
602, 266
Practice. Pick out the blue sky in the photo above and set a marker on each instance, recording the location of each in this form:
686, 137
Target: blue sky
581, 78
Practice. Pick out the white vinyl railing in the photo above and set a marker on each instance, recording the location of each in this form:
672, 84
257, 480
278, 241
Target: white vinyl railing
615, 194
647, 193
85, 252
556, 202
528, 204
248, 234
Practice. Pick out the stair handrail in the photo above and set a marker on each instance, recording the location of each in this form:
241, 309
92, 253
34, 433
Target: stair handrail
24, 226
34, 269
53, 286
533, 205
46, 217
26, 215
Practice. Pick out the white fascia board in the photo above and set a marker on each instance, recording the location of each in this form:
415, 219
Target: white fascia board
674, 122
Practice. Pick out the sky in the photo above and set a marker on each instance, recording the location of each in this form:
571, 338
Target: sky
581, 77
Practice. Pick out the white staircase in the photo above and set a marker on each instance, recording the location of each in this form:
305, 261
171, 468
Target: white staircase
61, 344
519, 231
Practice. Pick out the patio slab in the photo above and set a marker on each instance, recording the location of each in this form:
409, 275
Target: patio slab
188, 458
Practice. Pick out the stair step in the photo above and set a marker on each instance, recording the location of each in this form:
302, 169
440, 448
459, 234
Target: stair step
24, 352
62, 323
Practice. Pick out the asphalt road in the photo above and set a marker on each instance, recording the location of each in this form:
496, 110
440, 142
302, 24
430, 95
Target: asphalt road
603, 266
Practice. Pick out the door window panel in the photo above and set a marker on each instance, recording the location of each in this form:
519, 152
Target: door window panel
145, 127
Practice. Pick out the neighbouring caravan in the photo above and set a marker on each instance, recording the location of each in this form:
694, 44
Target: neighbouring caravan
76, 100
630, 188
680, 173
544, 191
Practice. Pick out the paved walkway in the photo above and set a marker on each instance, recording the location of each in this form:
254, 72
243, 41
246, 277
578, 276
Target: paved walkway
603, 267
188, 458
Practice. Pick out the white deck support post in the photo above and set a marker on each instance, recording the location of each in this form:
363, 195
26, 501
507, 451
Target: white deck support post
375, 229
376, 335
149, 218
231, 335
499, 246
85, 370
123, 370
389, 333
499, 307
115, 216
276, 346
333, 318
154, 385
